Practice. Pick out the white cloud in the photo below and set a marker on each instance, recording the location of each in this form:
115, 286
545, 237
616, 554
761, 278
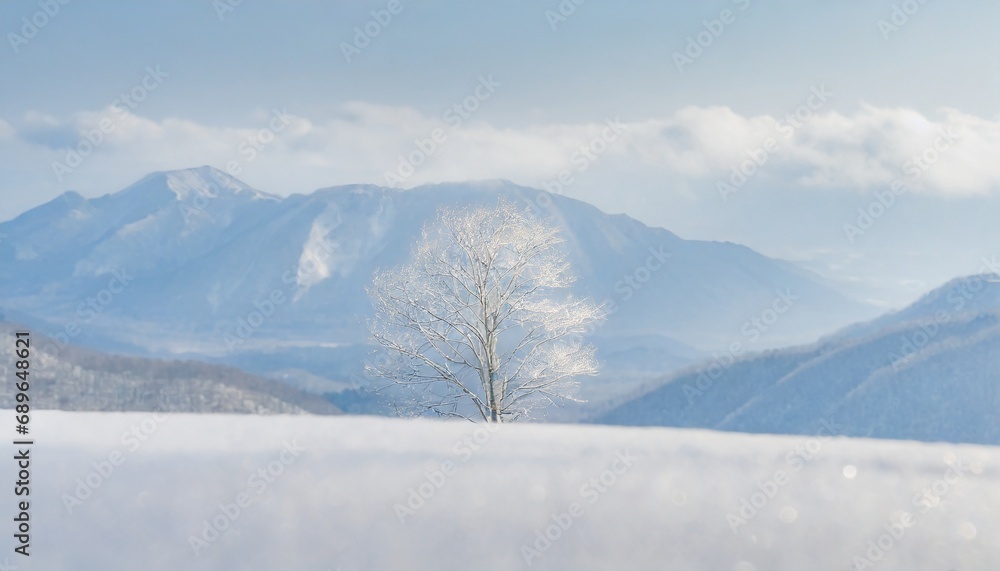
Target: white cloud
695, 146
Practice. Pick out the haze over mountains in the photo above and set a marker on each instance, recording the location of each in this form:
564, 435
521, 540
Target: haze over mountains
195, 263
74, 378
928, 372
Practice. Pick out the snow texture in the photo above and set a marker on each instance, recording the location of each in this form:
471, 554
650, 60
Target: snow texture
333, 506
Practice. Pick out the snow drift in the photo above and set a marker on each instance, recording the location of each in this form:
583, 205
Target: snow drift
158, 492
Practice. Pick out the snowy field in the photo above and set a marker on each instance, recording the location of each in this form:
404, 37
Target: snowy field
134, 491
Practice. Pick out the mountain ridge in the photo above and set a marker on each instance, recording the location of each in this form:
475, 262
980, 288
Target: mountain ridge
204, 265
905, 375
66, 377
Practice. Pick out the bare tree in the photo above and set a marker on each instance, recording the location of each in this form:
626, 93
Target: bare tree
478, 324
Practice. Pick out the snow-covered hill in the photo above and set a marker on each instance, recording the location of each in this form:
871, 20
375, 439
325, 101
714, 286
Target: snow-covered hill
75, 378
351, 493
196, 263
963, 295
928, 372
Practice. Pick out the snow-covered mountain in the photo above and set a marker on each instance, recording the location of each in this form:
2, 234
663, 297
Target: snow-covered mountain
928, 372
964, 295
196, 263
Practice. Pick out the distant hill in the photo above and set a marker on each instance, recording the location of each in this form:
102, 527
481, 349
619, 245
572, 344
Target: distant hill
929, 372
196, 264
72, 378
970, 294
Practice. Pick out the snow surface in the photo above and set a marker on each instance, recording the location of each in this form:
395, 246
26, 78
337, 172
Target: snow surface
332, 506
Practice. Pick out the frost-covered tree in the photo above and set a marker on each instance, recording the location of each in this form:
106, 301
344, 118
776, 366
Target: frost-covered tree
479, 324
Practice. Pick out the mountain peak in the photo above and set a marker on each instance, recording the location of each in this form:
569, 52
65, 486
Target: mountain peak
71, 198
189, 184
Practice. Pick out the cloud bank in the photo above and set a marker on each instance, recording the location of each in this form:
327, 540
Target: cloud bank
279, 151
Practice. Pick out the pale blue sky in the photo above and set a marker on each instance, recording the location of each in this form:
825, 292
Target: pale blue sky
608, 58
556, 89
